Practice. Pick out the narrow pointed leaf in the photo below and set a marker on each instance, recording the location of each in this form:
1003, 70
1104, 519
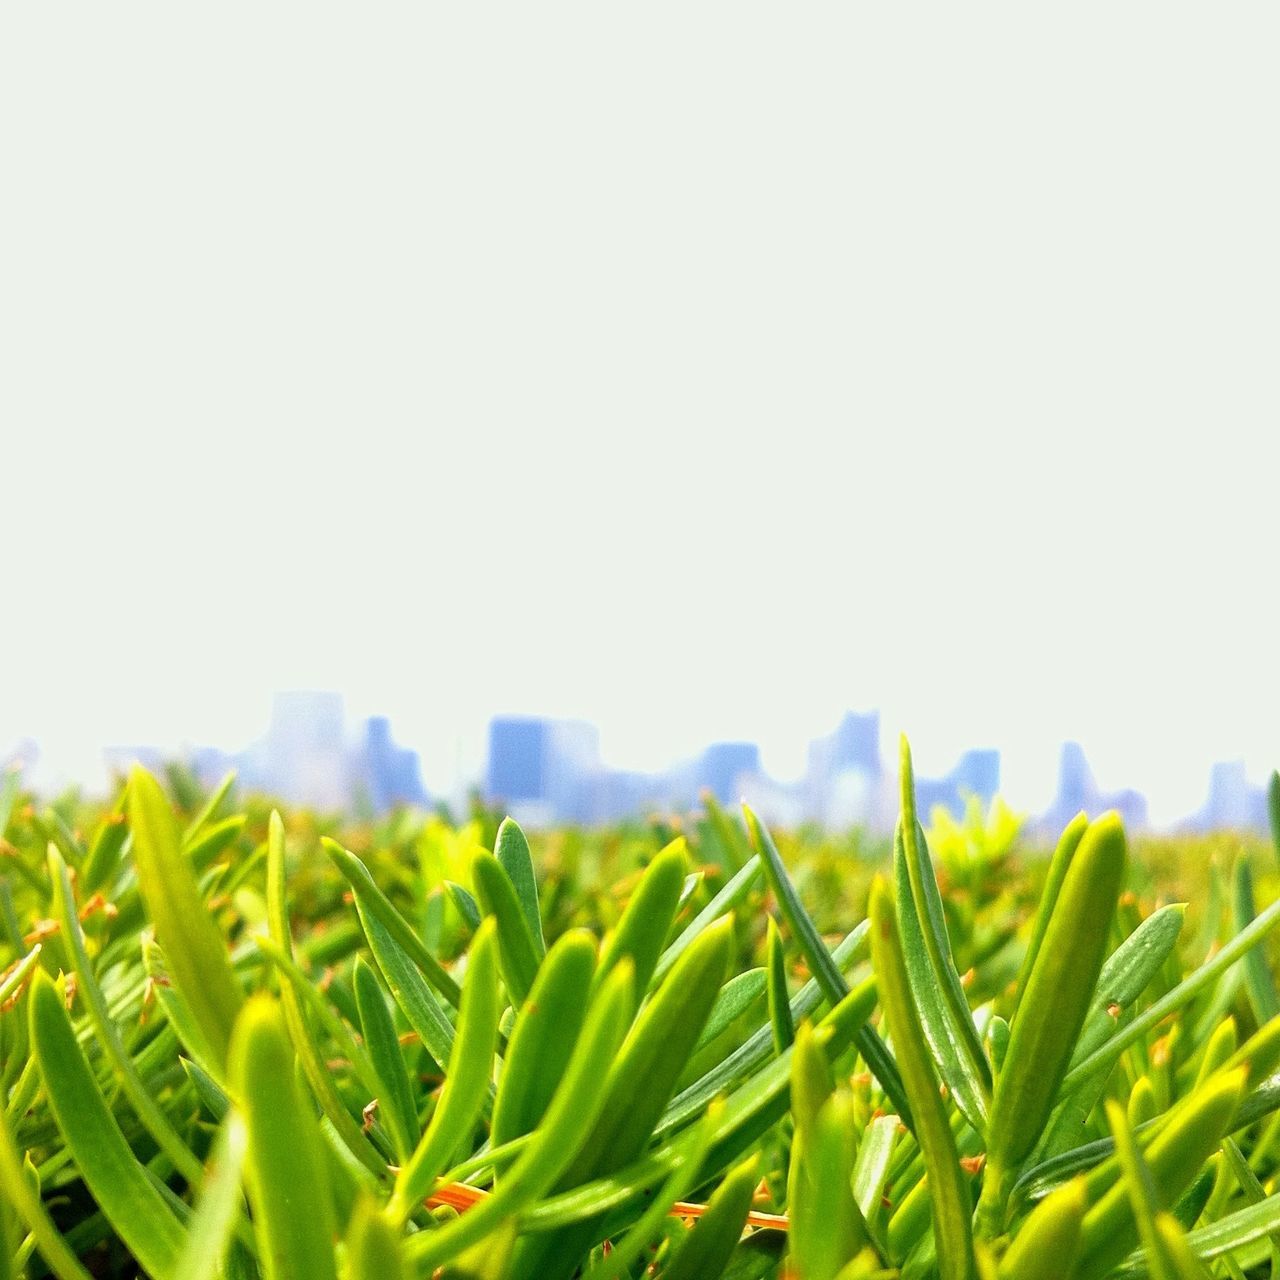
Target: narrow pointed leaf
467, 1077
213, 1223
517, 951
512, 851
544, 1036
193, 947
118, 1183
287, 1173
947, 1190
824, 969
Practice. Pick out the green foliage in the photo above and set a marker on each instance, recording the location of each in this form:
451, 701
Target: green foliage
243, 1043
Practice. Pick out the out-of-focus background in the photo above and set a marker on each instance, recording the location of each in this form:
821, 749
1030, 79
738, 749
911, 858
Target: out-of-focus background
623, 416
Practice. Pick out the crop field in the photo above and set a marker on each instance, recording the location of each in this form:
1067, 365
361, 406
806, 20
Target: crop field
243, 1041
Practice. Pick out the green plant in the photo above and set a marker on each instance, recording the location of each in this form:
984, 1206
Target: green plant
260, 1044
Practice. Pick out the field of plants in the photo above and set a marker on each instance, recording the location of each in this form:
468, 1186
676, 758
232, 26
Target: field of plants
243, 1042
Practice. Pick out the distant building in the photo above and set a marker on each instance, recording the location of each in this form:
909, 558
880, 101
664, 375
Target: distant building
390, 773
976, 774
1079, 791
1233, 804
723, 768
547, 766
843, 781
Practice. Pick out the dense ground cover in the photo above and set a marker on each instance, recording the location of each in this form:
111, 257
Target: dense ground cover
239, 1042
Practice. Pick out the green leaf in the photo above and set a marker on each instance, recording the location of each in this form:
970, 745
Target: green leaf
409, 989
570, 1116
1053, 1009
310, 1057
544, 1036
1257, 974
1046, 1243
653, 1055
1189, 1135
213, 1223
196, 827
640, 1084
679, 1183
1063, 854
17, 975
827, 1229
1182, 994
823, 968
374, 904
1273, 807
19, 1193
1124, 977
784, 1031
517, 951
512, 851
466, 1080
871, 1170
373, 1245
118, 1183
135, 1088
940, 1000
193, 947
104, 853
395, 1095
729, 898
1138, 1183
647, 918
706, 1250
947, 1189
287, 1174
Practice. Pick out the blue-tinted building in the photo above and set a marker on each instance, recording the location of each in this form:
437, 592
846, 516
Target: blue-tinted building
724, 765
391, 773
549, 765
976, 774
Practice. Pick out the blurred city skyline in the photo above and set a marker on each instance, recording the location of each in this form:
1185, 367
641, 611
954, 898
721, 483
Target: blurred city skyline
550, 770
700, 388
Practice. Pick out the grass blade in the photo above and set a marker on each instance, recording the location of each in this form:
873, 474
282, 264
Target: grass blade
647, 918
213, 1223
118, 1183
517, 950
374, 903
287, 1174
570, 1117
1049, 1017
544, 1036
394, 1094
947, 1190
195, 951
709, 1246
512, 851
310, 1057
135, 1088
466, 1081
821, 965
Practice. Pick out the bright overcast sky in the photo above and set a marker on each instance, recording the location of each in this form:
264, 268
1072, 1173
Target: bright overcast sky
700, 370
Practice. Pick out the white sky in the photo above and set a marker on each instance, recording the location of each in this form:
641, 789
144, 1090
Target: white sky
700, 370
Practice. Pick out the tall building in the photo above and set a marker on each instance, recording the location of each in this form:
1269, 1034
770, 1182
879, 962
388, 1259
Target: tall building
843, 781
1078, 790
390, 772
976, 774
542, 767
1233, 804
723, 768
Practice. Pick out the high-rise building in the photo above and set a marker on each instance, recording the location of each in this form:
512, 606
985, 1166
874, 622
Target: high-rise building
724, 766
842, 782
391, 773
547, 766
